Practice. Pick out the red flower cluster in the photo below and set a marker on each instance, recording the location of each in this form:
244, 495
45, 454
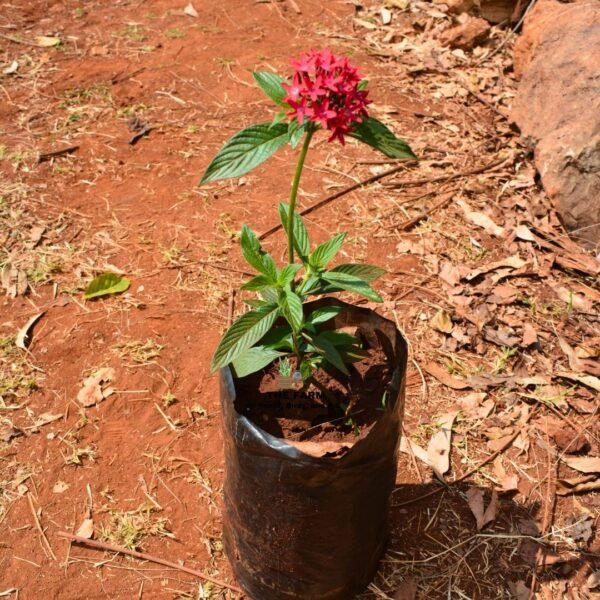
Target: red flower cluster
324, 90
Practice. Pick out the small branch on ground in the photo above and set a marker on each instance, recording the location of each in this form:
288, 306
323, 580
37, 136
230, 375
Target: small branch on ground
339, 194
148, 557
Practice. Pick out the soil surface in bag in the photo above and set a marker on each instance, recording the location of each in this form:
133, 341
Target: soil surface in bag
340, 408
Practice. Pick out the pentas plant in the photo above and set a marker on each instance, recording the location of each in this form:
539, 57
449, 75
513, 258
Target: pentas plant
325, 92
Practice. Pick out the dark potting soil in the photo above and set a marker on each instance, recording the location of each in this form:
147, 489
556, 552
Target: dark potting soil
339, 409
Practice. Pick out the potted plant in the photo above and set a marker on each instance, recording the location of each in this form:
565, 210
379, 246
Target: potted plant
312, 388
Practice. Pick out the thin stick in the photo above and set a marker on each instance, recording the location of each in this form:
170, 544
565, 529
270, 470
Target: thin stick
540, 559
43, 156
143, 556
476, 468
467, 173
39, 527
339, 194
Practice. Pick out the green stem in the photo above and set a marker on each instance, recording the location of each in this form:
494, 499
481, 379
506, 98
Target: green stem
294, 194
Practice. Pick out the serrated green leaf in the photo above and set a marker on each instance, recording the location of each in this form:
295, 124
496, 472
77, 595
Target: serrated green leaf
375, 134
270, 295
339, 339
291, 308
255, 256
367, 273
321, 315
105, 285
351, 284
246, 150
278, 338
270, 84
325, 252
254, 302
301, 241
258, 283
243, 334
287, 274
324, 347
253, 360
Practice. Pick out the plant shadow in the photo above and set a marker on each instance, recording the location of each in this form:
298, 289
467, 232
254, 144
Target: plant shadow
436, 551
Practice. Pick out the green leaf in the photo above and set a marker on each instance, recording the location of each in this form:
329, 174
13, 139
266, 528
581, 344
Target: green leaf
106, 284
340, 339
278, 338
329, 352
375, 134
270, 295
243, 334
255, 255
255, 302
367, 273
287, 274
253, 360
301, 241
291, 307
363, 85
270, 84
296, 135
246, 150
324, 253
321, 315
258, 283
351, 284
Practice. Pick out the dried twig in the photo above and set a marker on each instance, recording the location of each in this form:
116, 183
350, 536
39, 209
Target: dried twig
452, 176
39, 528
540, 559
43, 156
339, 194
148, 557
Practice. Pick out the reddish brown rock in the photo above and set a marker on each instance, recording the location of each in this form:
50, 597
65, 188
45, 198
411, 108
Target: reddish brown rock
557, 108
467, 35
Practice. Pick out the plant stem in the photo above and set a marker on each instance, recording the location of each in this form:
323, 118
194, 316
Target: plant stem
294, 194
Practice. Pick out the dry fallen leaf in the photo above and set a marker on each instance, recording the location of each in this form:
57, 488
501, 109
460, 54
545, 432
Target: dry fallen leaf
438, 449
481, 220
11, 69
44, 419
444, 377
442, 322
589, 380
530, 335
577, 485
92, 391
60, 487
190, 11
475, 500
23, 335
593, 581
86, 529
45, 41
583, 464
